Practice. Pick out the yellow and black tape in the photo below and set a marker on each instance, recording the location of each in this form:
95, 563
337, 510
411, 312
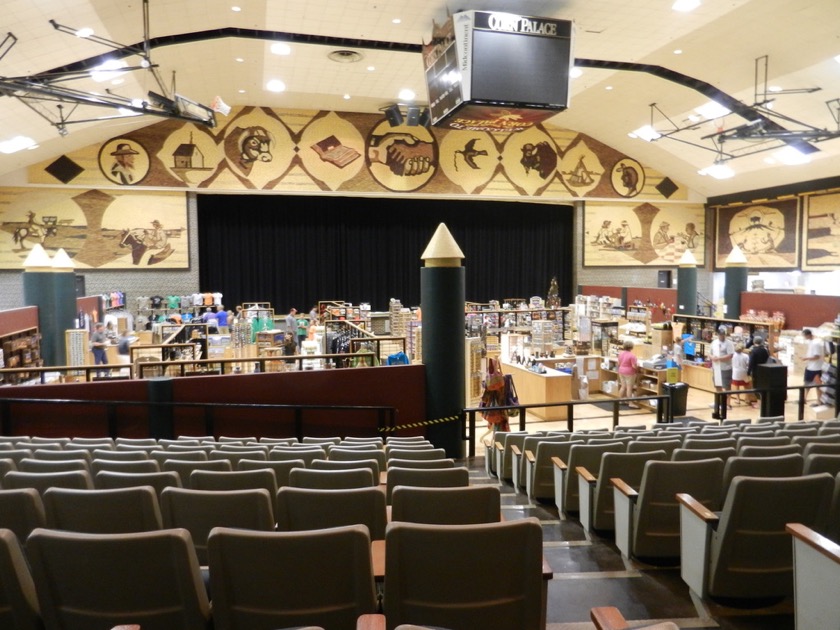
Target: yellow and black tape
416, 425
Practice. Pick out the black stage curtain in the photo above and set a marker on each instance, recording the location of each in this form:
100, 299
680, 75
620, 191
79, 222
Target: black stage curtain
296, 250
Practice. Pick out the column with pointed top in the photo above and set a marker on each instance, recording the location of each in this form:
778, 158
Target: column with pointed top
50, 284
442, 294
687, 284
735, 277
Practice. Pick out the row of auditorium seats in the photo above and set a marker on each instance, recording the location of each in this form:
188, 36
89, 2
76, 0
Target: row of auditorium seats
262, 578
714, 498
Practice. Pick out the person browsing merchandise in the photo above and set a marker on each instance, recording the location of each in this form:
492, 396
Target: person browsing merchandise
628, 367
721, 356
759, 355
814, 354
98, 343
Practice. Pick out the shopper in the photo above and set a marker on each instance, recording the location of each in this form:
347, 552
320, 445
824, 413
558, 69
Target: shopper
740, 365
814, 354
222, 318
628, 367
291, 323
759, 355
302, 331
721, 355
98, 343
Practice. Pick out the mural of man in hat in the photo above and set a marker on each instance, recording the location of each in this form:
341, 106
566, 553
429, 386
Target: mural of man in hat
662, 237
122, 169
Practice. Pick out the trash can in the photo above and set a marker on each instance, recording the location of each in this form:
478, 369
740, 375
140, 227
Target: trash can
678, 393
773, 378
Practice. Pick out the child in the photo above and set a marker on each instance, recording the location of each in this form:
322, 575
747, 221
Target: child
740, 365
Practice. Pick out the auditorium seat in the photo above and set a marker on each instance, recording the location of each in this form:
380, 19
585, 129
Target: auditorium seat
446, 506
185, 467
281, 469
285, 579
816, 578
79, 479
21, 511
199, 511
332, 479
745, 552
426, 478
102, 580
116, 511
127, 466
108, 480
19, 609
447, 576
566, 490
307, 509
539, 469
647, 522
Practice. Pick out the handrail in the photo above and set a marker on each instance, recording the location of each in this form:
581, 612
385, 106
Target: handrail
234, 366
386, 415
663, 413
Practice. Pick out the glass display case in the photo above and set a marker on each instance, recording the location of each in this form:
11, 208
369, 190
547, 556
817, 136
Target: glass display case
603, 332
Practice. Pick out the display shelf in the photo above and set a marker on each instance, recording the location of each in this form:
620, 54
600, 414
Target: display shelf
648, 382
21, 349
704, 328
473, 371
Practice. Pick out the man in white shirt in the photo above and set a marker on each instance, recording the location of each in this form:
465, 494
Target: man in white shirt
814, 355
721, 356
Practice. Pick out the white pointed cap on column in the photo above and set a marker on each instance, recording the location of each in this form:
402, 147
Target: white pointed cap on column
736, 258
687, 259
38, 260
442, 250
62, 262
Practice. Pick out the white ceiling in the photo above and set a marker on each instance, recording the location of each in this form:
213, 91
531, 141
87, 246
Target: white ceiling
720, 42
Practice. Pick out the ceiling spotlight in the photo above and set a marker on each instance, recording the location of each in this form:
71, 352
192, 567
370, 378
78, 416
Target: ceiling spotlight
275, 85
281, 48
85, 32
647, 133
406, 95
712, 110
684, 6
791, 156
575, 72
718, 170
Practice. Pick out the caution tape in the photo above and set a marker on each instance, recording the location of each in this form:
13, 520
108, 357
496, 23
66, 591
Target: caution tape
423, 423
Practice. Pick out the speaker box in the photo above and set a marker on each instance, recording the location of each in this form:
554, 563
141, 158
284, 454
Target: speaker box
664, 279
412, 116
394, 116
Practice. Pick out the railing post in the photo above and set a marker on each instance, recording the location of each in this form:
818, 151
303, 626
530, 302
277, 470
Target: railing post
209, 420
801, 405
111, 413
570, 417
299, 423
6, 417
471, 443
522, 412
615, 413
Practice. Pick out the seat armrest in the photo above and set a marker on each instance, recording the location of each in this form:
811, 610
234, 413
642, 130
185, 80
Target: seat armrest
820, 543
586, 475
696, 527
698, 509
559, 463
586, 497
530, 457
608, 618
499, 446
624, 501
624, 489
515, 450
370, 622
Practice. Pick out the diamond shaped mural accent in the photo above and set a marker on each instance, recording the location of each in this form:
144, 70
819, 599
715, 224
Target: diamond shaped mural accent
64, 169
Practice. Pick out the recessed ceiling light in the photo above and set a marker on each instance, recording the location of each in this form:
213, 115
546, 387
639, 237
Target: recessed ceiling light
242, 91
774, 88
711, 110
281, 48
678, 51
574, 73
117, 81
646, 133
396, 21
239, 59
18, 143
609, 87
275, 85
346, 97
684, 6
791, 156
371, 68
236, 9
84, 32
406, 95
718, 171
